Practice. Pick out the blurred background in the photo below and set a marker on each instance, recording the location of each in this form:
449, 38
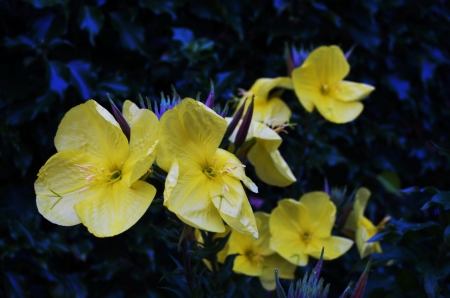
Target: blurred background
56, 54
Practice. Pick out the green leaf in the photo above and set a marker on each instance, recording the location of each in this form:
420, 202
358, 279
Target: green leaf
447, 235
46, 3
131, 35
442, 199
390, 182
82, 78
90, 19
159, 7
57, 77
15, 285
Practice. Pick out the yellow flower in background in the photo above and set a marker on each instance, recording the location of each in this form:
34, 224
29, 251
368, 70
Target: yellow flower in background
269, 165
203, 186
93, 179
300, 229
256, 258
268, 107
361, 226
319, 83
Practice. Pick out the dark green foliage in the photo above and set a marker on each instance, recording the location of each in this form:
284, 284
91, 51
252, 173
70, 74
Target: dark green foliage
56, 54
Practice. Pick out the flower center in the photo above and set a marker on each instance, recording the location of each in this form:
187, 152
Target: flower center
94, 174
306, 237
116, 175
324, 89
255, 259
211, 172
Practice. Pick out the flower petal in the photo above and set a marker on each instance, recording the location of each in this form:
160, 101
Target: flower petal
263, 241
321, 213
143, 141
187, 194
285, 270
263, 86
361, 198
129, 108
190, 132
225, 159
60, 185
330, 64
306, 86
115, 208
334, 247
350, 91
244, 265
364, 232
264, 135
324, 66
92, 129
235, 208
274, 109
338, 111
271, 168
285, 228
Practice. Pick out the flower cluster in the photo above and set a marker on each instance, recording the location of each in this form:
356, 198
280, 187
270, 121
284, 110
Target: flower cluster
98, 177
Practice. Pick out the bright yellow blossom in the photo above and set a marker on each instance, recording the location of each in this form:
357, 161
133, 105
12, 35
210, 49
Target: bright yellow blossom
269, 165
256, 258
361, 226
93, 179
268, 107
318, 82
203, 186
302, 228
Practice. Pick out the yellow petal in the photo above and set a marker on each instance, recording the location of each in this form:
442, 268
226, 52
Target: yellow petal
115, 208
285, 229
234, 206
143, 141
271, 168
252, 251
306, 86
190, 132
60, 185
330, 64
129, 109
225, 159
274, 109
338, 111
364, 232
285, 271
321, 213
325, 66
350, 91
90, 128
361, 198
187, 194
263, 86
265, 136
334, 247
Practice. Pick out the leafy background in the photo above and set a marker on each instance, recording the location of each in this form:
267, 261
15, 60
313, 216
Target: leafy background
56, 54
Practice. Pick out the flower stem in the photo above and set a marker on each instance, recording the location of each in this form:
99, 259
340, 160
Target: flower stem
187, 262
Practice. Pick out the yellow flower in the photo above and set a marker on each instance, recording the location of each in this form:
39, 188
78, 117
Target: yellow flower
203, 186
301, 228
319, 83
269, 165
256, 258
268, 107
361, 226
93, 179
